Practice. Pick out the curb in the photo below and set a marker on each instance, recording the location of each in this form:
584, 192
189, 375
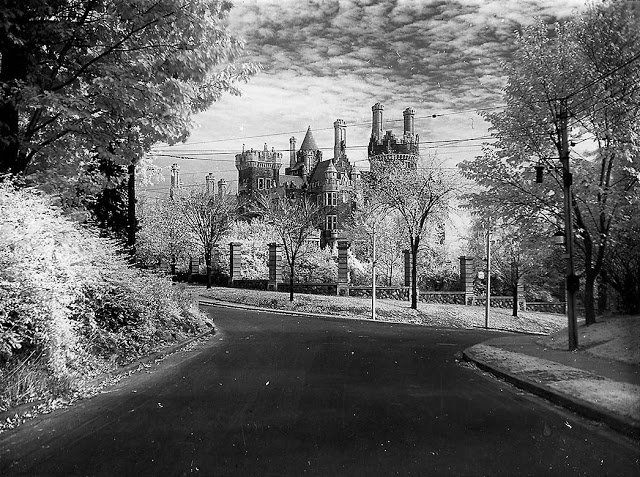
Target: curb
579, 406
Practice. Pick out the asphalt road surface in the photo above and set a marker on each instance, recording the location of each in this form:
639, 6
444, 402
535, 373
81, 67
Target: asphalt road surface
281, 395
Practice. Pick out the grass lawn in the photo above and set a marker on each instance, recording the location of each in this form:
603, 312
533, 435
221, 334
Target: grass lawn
428, 314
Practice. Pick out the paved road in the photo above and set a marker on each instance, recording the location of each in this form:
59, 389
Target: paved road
280, 395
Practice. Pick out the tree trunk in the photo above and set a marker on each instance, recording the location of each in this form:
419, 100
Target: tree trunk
414, 273
589, 298
131, 212
207, 260
291, 282
514, 294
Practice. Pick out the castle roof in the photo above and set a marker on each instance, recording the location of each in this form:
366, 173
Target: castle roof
309, 143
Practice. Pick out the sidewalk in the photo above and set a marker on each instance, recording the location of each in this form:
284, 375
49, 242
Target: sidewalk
597, 388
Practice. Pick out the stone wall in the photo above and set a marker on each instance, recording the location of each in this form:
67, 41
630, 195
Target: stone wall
310, 288
451, 298
389, 293
250, 284
547, 307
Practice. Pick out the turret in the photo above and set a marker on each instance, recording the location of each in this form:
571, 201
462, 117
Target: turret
340, 141
292, 151
409, 115
376, 127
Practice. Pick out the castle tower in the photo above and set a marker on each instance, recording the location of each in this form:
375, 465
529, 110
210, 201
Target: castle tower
409, 115
340, 138
309, 152
292, 151
388, 149
257, 170
376, 127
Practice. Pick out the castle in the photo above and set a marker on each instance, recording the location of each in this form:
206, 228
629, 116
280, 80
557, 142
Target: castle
328, 182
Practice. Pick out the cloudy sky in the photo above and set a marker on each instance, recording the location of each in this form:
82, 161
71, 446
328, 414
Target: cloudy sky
330, 59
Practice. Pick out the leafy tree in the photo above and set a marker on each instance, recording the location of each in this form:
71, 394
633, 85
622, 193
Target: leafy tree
90, 85
163, 236
622, 264
591, 66
295, 220
208, 218
421, 199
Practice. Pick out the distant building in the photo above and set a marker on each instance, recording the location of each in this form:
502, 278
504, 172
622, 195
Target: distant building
328, 182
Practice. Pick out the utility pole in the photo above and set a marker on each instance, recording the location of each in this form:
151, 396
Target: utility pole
373, 273
488, 300
572, 281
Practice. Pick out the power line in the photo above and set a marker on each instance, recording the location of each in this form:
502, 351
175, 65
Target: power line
361, 124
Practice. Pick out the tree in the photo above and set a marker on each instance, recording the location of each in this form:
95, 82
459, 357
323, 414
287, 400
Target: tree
91, 85
163, 236
591, 67
208, 217
295, 220
99, 67
420, 197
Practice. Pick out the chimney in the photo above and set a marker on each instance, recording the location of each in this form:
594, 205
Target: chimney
292, 151
408, 114
376, 127
340, 142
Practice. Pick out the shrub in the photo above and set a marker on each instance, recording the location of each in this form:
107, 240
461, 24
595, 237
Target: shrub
67, 301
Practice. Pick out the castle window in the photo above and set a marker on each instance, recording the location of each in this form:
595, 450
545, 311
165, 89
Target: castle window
332, 222
331, 199
268, 183
260, 183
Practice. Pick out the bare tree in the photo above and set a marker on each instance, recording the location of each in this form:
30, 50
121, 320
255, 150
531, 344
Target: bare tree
295, 220
208, 217
420, 196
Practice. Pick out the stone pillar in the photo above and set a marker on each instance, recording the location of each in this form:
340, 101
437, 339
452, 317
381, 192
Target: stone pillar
343, 269
407, 267
235, 261
275, 266
467, 275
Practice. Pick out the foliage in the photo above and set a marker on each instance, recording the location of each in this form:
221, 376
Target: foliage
421, 199
294, 221
591, 65
88, 86
208, 218
163, 236
254, 235
315, 265
67, 302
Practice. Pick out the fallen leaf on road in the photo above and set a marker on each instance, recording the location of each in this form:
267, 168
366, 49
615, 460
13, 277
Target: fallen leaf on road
267, 383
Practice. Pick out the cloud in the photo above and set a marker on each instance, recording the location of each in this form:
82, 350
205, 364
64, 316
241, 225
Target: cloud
329, 59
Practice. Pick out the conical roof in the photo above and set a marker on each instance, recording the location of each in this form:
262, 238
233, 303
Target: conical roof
309, 143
